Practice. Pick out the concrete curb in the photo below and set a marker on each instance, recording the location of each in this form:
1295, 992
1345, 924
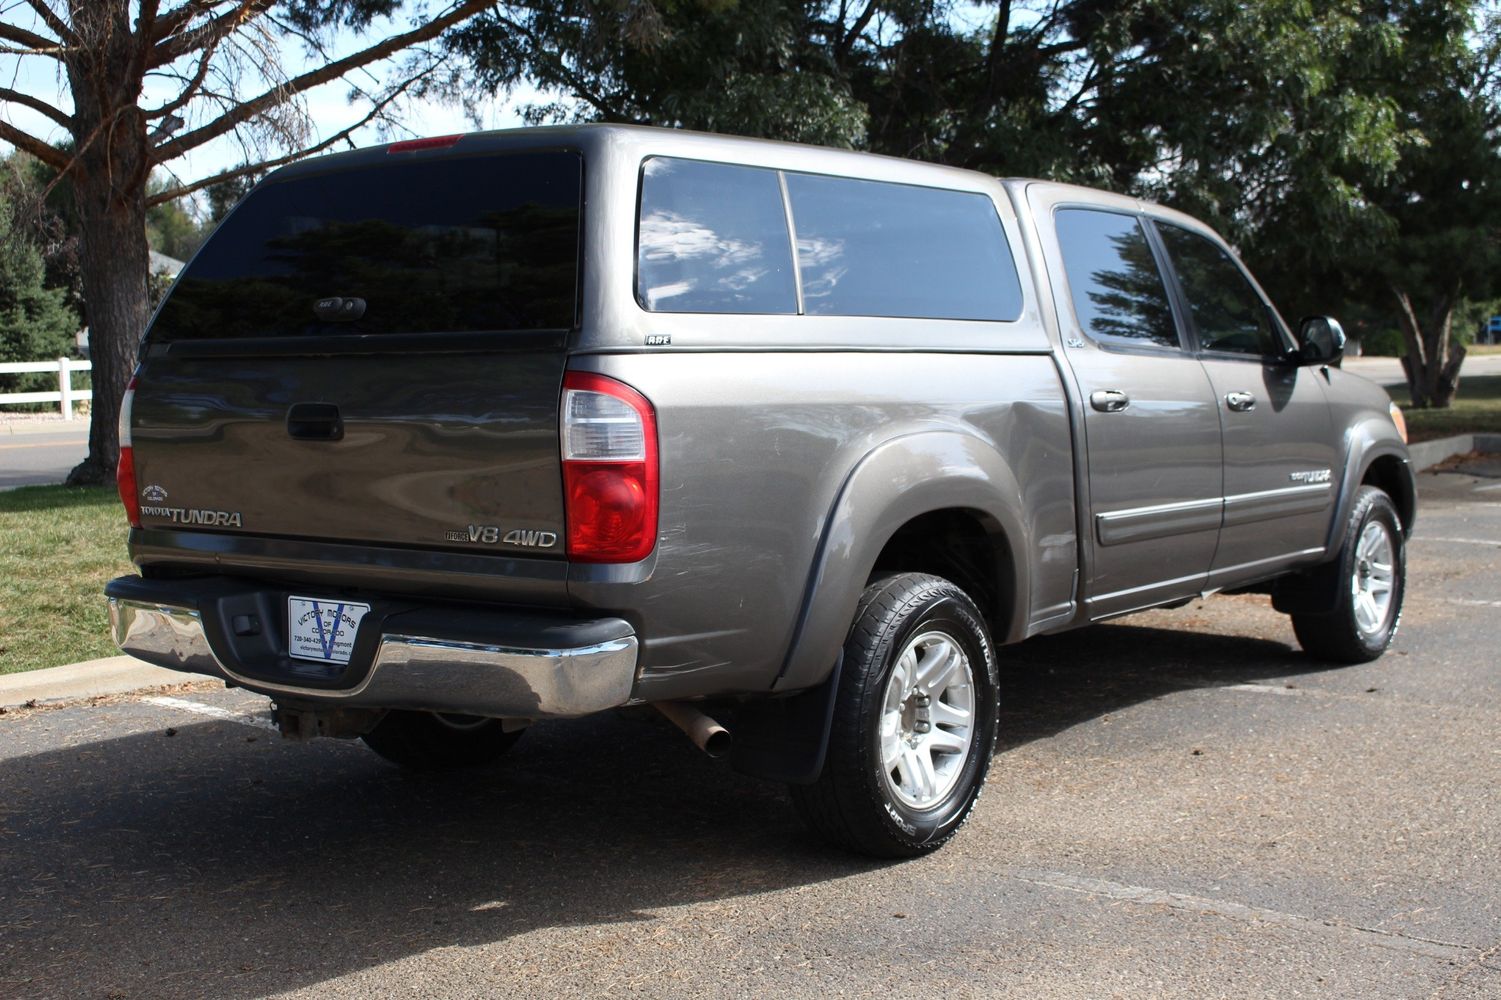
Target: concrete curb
90, 679
1427, 454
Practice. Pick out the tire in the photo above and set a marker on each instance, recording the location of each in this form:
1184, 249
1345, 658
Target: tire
1368, 579
914, 726
429, 741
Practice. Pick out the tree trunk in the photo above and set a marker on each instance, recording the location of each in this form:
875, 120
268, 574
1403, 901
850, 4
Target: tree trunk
108, 178
1433, 355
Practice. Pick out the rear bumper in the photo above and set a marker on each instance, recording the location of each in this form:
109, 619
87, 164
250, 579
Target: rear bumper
462, 661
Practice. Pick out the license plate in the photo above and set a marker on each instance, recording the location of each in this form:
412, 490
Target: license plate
322, 630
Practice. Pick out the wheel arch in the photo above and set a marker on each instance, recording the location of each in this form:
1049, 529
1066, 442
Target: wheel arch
1392, 474
929, 485
1378, 457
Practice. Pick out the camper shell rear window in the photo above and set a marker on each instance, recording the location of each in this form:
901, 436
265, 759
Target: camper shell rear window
430, 245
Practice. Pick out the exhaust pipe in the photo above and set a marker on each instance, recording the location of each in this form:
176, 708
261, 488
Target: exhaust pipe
708, 735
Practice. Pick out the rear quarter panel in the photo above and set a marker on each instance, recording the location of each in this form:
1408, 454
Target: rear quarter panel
763, 502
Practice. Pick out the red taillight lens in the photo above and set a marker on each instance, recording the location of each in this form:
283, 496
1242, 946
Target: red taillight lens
610, 491
417, 145
125, 471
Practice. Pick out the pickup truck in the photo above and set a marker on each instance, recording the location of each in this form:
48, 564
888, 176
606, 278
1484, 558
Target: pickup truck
437, 439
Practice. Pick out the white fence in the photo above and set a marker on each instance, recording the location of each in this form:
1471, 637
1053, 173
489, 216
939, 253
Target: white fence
65, 396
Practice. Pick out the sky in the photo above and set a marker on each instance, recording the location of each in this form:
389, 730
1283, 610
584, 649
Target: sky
329, 109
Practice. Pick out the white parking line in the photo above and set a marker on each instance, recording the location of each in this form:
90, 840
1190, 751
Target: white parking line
1487, 489
1241, 911
1456, 541
1474, 604
212, 711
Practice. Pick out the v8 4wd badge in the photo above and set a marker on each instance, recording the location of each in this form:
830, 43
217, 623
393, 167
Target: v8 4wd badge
490, 534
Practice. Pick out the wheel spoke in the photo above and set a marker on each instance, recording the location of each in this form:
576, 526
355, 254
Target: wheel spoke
945, 714
924, 776
948, 742
937, 667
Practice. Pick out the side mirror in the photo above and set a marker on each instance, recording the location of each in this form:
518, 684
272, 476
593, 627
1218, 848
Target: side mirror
1322, 340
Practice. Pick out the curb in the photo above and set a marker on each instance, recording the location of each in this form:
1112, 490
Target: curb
90, 679
1426, 454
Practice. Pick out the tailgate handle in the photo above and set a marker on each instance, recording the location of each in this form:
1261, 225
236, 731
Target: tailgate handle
315, 422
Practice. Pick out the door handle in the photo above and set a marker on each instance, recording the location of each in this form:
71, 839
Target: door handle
1240, 402
1109, 400
315, 422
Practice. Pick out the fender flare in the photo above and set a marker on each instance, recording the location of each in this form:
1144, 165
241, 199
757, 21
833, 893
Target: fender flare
1371, 439
902, 478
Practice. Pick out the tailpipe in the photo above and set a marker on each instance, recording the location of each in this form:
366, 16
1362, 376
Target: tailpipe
708, 735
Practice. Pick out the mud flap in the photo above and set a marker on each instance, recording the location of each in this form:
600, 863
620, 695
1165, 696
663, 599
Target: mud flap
1311, 592
786, 739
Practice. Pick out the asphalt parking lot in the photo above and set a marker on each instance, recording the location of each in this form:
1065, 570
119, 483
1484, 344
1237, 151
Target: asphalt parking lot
1183, 805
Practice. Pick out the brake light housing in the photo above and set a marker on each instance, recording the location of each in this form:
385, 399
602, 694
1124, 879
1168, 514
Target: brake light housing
125, 468
610, 489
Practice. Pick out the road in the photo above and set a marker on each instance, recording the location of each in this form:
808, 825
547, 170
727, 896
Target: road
38, 457
1388, 371
1183, 805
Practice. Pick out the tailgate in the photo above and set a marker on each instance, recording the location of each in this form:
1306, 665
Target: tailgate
421, 407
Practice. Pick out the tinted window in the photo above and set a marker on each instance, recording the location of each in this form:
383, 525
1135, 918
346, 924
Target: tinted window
1226, 310
1117, 290
713, 238
873, 249
448, 245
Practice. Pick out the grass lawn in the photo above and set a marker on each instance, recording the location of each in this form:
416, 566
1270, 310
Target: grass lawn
58, 547
1475, 410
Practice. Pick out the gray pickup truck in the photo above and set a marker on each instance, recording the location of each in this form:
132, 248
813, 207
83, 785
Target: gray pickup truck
434, 440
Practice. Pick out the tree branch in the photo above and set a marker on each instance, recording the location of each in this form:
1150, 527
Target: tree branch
276, 95
228, 175
561, 70
179, 44
39, 45
28, 143
40, 107
860, 24
190, 86
54, 22
174, 20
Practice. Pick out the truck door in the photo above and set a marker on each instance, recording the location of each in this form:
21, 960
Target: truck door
1279, 442
1150, 426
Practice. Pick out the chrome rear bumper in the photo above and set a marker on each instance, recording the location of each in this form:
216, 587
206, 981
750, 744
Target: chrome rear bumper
409, 671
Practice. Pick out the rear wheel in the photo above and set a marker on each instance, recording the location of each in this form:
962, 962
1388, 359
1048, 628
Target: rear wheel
1368, 580
914, 722
436, 741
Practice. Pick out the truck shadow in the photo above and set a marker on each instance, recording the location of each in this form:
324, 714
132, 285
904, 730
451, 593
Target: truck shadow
223, 861
1051, 683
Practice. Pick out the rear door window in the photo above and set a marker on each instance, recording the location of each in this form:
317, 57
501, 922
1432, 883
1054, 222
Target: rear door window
869, 248
450, 245
713, 238
1227, 313
1118, 293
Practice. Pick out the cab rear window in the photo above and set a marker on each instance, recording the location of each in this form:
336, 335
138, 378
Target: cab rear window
450, 245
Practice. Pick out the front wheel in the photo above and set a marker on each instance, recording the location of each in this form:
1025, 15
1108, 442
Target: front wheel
915, 721
437, 741
1368, 580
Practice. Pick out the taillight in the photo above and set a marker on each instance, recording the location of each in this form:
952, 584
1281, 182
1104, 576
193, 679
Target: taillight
609, 470
125, 471
417, 145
